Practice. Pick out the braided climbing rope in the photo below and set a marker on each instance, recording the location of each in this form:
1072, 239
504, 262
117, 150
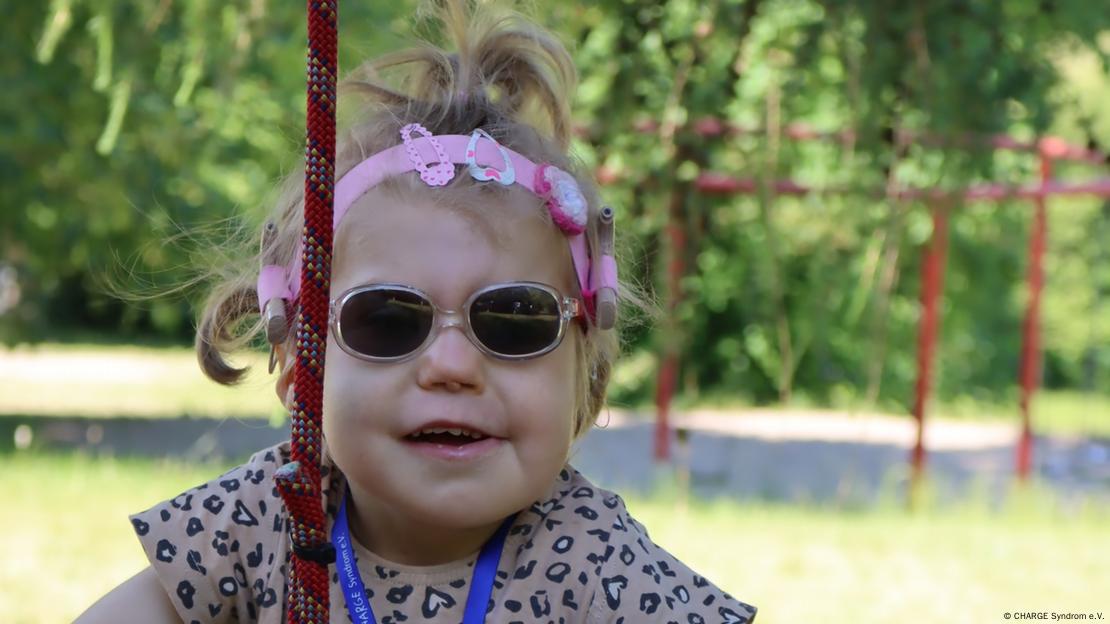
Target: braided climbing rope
299, 480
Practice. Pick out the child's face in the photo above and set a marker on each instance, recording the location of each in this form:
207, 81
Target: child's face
370, 407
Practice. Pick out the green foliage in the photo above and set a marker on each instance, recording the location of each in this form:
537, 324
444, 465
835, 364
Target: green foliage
819, 294
127, 120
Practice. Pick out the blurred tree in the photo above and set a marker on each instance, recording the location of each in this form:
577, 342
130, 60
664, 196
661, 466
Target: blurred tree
125, 120
821, 292
128, 123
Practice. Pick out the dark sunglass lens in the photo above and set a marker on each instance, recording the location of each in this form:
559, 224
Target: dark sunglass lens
385, 323
515, 320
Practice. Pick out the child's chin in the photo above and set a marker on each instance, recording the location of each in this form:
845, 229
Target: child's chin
469, 504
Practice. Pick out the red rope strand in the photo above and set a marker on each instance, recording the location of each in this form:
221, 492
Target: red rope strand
299, 480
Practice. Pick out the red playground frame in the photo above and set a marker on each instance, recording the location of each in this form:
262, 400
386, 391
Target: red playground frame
1048, 149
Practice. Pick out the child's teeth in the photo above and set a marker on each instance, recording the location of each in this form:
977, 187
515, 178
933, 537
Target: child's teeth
453, 431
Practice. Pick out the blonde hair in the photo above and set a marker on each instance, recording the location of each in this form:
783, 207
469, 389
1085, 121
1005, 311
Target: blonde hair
509, 77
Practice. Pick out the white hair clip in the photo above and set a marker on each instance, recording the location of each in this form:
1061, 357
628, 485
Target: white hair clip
486, 173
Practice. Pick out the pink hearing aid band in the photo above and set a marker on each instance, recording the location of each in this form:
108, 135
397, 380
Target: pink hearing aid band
272, 284
605, 275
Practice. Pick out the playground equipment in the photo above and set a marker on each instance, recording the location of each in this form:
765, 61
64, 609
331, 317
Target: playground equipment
1048, 150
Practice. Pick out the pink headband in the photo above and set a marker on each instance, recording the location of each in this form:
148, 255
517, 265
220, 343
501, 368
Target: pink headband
434, 158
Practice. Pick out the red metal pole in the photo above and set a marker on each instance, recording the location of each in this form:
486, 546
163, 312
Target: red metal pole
1030, 372
668, 370
932, 284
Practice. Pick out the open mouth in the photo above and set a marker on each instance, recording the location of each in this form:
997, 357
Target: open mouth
450, 437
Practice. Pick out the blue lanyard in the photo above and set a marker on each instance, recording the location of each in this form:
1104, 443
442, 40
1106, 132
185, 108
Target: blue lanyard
354, 590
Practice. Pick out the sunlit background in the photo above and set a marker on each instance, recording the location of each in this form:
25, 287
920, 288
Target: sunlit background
853, 215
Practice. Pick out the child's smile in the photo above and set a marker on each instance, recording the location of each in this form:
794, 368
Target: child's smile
453, 441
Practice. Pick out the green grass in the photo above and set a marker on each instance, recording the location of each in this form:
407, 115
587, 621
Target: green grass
67, 539
1059, 412
889, 565
150, 382
967, 563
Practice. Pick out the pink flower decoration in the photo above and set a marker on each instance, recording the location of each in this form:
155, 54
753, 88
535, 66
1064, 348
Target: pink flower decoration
564, 199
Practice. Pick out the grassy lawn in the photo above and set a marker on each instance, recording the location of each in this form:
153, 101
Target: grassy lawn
889, 565
1062, 412
69, 540
960, 564
95, 380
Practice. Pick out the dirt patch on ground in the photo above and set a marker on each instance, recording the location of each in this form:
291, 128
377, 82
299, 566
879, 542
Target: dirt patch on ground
825, 456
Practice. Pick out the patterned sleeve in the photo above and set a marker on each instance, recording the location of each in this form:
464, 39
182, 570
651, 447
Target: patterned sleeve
213, 546
642, 582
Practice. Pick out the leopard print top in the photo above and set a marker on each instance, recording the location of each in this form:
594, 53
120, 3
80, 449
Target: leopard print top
221, 550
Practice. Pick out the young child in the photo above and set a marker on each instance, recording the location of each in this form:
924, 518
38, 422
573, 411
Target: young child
468, 348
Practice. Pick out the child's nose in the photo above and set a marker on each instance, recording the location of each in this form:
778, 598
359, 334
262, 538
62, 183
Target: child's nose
451, 361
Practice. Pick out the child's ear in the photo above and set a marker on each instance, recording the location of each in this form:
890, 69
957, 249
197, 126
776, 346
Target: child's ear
284, 384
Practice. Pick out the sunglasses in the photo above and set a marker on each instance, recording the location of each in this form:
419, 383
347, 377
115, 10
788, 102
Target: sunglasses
509, 321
